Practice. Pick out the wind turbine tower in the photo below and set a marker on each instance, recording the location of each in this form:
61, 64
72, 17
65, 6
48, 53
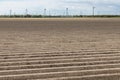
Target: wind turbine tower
10, 12
67, 12
26, 12
45, 12
94, 11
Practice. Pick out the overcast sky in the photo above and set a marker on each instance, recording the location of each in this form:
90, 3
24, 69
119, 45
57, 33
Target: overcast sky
59, 6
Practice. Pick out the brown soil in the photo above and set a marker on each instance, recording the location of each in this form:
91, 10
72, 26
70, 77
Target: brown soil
60, 49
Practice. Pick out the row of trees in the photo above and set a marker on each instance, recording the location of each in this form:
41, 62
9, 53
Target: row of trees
55, 16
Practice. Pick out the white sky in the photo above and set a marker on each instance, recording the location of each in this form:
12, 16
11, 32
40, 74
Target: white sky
58, 6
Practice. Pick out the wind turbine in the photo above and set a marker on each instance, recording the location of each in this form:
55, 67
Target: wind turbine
45, 12
26, 11
67, 13
94, 10
10, 12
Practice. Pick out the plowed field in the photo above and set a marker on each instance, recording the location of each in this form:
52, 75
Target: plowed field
60, 49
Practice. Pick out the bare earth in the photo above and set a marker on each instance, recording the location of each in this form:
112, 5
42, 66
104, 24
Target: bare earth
60, 49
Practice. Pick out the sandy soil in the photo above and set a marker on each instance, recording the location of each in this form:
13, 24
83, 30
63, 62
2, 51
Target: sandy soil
64, 49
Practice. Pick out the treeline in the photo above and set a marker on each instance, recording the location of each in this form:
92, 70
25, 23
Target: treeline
55, 16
